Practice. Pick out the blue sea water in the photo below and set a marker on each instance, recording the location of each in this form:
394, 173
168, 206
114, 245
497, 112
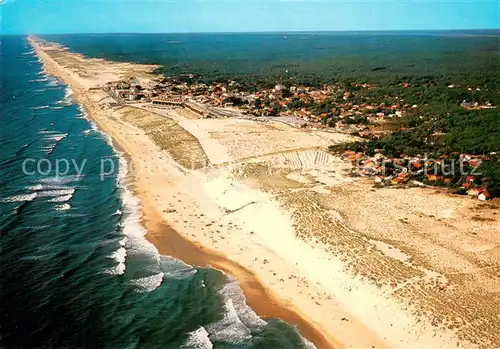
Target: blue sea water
75, 269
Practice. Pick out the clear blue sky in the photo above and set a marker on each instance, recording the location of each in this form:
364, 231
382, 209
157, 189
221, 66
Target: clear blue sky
168, 16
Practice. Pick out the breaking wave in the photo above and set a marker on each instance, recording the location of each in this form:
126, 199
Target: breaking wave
40, 79
62, 207
198, 339
148, 283
238, 318
20, 198
119, 256
61, 179
59, 192
62, 198
34, 187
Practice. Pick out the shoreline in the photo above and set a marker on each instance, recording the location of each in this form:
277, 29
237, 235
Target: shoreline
169, 242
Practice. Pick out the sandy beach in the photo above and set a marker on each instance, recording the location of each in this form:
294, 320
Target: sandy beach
350, 265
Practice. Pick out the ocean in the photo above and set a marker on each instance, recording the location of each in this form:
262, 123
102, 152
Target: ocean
75, 268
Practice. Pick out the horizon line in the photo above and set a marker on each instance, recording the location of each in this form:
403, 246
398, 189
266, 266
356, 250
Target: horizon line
263, 32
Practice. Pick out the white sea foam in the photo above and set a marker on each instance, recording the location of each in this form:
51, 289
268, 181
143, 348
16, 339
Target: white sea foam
232, 290
230, 328
66, 100
58, 180
132, 217
52, 137
63, 198
132, 228
120, 256
55, 186
175, 268
108, 140
307, 344
68, 93
58, 192
198, 339
34, 187
238, 319
53, 82
134, 231
49, 148
82, 114
62, 207
20, 198
117, 213
38, 227
40, 79
40, 107
148, 283
56, 137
